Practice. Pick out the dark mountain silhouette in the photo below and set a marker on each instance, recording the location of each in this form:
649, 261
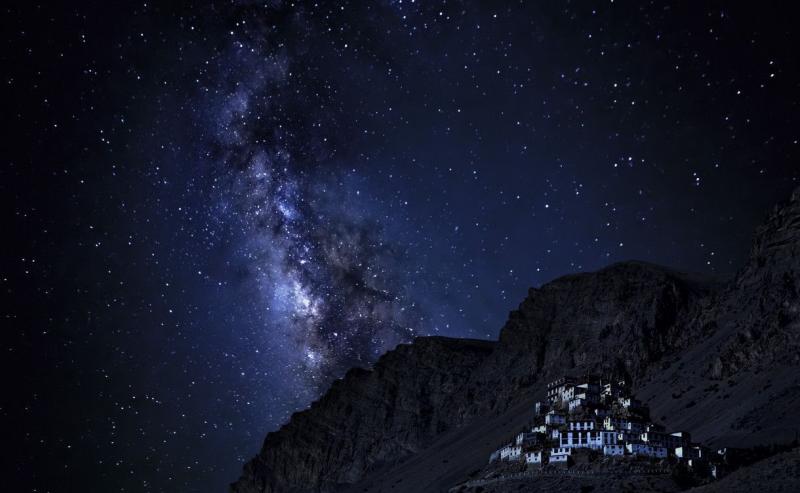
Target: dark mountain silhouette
718, 359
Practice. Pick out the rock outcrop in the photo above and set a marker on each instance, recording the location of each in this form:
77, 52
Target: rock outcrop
691, 345
762, 307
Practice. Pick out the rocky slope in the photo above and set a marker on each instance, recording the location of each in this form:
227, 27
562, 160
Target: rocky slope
738, 381
413, 393
779, 473
720, 360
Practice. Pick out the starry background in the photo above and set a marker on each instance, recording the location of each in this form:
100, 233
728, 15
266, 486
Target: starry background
217, 208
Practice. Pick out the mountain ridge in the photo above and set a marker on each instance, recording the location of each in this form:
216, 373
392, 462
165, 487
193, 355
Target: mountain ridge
691, 345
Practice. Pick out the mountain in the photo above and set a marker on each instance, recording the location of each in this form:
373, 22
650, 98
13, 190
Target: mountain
719, 359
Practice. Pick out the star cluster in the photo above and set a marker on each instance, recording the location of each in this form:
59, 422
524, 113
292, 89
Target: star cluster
218, 208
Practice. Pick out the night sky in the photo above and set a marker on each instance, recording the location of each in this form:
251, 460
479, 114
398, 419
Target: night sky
215, 209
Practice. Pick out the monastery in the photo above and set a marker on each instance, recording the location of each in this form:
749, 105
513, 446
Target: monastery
599, 417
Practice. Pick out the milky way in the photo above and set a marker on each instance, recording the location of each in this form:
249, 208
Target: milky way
329, 286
